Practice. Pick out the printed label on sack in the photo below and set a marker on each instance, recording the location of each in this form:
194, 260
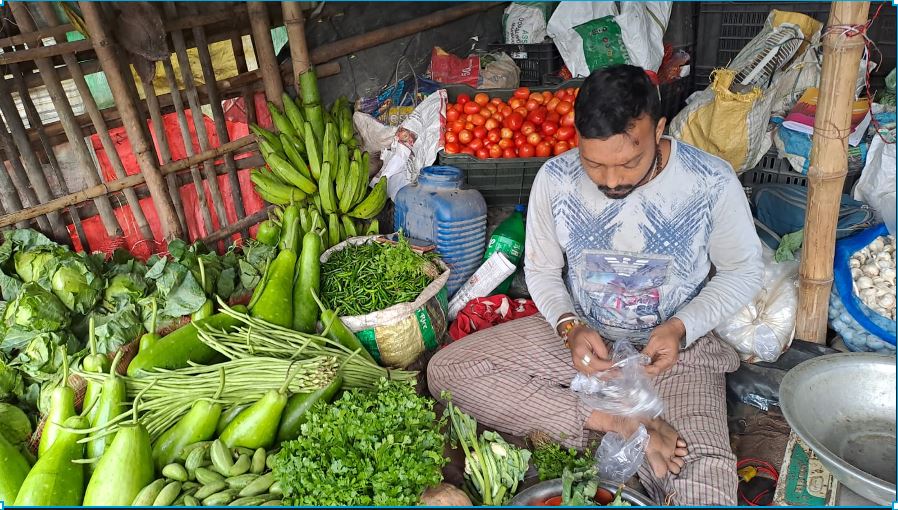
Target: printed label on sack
368, 338
427, 333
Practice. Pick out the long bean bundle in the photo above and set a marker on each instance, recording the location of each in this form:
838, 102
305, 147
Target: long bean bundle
167, 395
364, 278
261, 338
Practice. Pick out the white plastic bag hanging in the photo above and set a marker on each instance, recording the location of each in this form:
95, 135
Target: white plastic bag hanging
763, 329
623, 390
876, 186
618, 457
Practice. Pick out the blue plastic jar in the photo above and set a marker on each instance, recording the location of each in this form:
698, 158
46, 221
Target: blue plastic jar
438, 209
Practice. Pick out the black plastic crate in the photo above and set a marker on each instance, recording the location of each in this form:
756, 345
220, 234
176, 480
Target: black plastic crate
536, 61
775, 170
502, 182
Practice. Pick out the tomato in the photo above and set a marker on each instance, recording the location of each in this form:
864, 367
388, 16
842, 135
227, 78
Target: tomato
564, 107
543, 150
531, 105
568, 120
465, 137
534, 139
522, 93
496, 101
553, 118
476, 144
552, 104
509, 153
462, 99
513, 121
528, 127
515, 102
452, 148
564, 133
477, 119
479, 132
537, 116
575, 141
467, 150
522, 110
451, 137
481, 99
494, 136
561, 147
451, 115
491, 124
506, 133
498, 117
482, 154
547, 96
526, 151
506, 143
469, 125
603, 497
471, 108
520, 142
495, 152
457, 126
553, 501
506, 110
549, 129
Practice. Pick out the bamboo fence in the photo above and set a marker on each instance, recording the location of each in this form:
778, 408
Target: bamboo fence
35, 190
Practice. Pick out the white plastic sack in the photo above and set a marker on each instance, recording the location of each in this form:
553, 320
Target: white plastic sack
375, 135
524, 24
416, 144
762, 330
876, 186
642, 24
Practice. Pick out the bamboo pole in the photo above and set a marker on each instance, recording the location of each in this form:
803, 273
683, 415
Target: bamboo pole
162, 145
218, 119
115, 74
88, 171
40, 52
264, 48
199, 122
243, 224
7, 189
249, 102
327, 52
118, 185
31, 165
90, 104
829, 164
295, 22
34, 119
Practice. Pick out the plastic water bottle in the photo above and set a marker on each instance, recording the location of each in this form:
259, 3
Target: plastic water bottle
508, 238
439, 209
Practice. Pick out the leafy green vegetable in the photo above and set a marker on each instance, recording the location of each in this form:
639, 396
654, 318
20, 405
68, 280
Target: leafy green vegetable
14, 424
125, 284
112, 329
368, 448
177, 288
36, 309
551, 458
36, 265
11, 384
77, 282
19, 240
41, 359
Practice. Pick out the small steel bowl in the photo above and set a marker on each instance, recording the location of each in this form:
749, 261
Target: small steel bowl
539, 493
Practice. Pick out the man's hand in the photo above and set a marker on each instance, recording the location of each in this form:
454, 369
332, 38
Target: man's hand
664, 346
588, 350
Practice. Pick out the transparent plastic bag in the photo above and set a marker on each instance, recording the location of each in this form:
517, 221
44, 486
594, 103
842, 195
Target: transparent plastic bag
618, 458
623, 390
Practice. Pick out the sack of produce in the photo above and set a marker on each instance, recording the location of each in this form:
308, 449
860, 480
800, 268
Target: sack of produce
391, 296
862, 304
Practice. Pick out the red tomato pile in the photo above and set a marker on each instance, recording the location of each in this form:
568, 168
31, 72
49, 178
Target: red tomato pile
529, 125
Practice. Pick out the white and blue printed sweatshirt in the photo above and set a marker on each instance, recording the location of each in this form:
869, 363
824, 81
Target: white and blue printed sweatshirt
627, 265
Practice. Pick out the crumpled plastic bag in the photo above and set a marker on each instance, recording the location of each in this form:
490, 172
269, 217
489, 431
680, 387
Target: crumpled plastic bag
500, 73
623, 390
618, 457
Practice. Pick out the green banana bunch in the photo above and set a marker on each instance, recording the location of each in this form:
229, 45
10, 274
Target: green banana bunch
373, 203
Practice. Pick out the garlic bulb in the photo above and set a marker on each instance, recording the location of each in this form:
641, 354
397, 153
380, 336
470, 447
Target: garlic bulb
873, 275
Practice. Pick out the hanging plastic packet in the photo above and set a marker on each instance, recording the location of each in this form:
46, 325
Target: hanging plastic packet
618, 458
623, 390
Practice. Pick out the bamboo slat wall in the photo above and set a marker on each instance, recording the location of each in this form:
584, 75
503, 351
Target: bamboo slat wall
33, 187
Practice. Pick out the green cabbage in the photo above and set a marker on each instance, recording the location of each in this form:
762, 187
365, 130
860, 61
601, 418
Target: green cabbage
77, 283
37, 265
41, 359
36, 309
11, 385
126, 285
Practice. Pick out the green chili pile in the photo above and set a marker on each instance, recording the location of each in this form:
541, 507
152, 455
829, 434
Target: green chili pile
369, 277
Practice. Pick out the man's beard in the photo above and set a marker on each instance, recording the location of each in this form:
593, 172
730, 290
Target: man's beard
617, 193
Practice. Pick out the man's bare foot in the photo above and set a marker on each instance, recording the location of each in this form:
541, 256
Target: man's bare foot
665, 450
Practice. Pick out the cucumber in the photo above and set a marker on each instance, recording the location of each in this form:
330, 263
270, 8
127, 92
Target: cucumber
207, 476
168, 495
175, 472
210, 489
148, 494
221, 498
240, 481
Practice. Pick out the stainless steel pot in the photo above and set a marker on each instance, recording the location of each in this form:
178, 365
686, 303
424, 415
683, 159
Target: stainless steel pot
542, 491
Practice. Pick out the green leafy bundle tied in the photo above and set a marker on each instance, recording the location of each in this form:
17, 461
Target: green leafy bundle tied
382, 448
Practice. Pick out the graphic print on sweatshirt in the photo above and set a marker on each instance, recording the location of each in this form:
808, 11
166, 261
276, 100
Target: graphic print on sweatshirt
633, 262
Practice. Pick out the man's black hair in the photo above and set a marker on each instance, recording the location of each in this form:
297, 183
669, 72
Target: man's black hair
612, 98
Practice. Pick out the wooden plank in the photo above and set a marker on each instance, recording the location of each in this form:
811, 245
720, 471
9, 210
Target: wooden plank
264, 48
